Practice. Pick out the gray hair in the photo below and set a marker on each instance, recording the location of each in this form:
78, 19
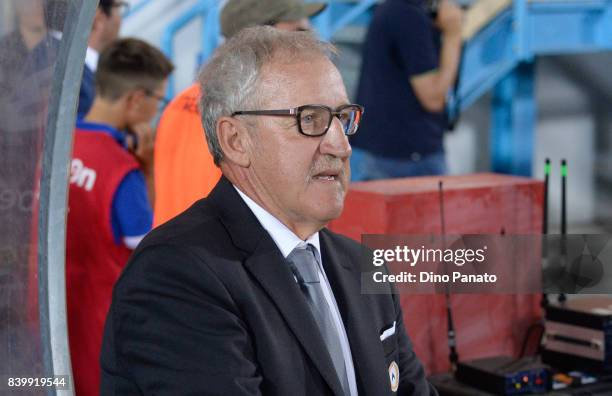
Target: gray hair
229, 81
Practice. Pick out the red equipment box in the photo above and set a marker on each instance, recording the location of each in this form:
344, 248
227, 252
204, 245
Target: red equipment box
485, 325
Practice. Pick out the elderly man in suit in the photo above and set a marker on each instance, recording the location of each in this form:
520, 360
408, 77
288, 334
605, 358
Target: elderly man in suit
247, 293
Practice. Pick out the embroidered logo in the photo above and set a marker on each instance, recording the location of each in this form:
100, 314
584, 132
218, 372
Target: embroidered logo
82, 176
394, 376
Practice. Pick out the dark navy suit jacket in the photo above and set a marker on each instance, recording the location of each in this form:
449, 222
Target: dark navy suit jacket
87, 92
208, 306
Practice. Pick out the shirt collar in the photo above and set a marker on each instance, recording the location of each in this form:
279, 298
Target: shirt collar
285, 239
91, 59
95, 127
56, 34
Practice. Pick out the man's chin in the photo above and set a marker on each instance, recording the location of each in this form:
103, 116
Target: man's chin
333, 212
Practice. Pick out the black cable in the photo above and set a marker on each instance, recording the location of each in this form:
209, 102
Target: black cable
530, 330
544, 303
562, 298
452, 341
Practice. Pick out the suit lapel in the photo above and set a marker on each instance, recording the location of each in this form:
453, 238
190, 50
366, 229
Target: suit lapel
267, 265
367, 351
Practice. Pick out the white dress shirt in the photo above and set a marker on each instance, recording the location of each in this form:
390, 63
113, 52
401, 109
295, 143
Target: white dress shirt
91, 59
286, 241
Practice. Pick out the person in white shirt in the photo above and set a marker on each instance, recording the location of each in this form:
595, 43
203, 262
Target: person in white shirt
105, 30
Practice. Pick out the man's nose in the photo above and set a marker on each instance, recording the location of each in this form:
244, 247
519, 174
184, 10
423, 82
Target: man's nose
335, 142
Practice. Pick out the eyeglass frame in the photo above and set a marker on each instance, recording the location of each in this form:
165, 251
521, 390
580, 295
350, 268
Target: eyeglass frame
297, 112
163, 100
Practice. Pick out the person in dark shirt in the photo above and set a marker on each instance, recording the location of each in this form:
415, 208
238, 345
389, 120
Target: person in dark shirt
22, 97
104, 31
17, 47
26, 68
410, 61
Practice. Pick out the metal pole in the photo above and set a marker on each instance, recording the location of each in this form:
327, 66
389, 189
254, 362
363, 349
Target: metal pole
54, 189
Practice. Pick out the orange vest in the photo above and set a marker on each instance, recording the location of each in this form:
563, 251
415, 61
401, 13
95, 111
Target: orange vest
184, 169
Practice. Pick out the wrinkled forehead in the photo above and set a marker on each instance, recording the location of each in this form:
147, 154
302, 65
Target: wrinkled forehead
301, 80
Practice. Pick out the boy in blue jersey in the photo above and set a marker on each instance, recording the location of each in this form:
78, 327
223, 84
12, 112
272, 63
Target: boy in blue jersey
109, 207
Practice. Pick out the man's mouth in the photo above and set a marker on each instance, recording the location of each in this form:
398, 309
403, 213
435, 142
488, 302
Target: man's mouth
327, 175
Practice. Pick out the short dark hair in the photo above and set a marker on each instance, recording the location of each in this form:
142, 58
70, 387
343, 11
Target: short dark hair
106, 6
129, 64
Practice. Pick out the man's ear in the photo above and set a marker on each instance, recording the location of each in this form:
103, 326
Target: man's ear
130, 106
234, 138
134, 99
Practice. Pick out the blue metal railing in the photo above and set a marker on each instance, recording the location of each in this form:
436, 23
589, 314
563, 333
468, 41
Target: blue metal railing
208, 10
518, 34
340, 14
502, 50
336, 16
500, 58
529, 29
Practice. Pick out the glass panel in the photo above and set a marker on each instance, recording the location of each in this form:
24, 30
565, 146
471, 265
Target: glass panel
31, 34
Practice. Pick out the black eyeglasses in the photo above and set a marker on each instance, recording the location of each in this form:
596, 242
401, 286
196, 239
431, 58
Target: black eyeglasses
163, 101
315, 120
